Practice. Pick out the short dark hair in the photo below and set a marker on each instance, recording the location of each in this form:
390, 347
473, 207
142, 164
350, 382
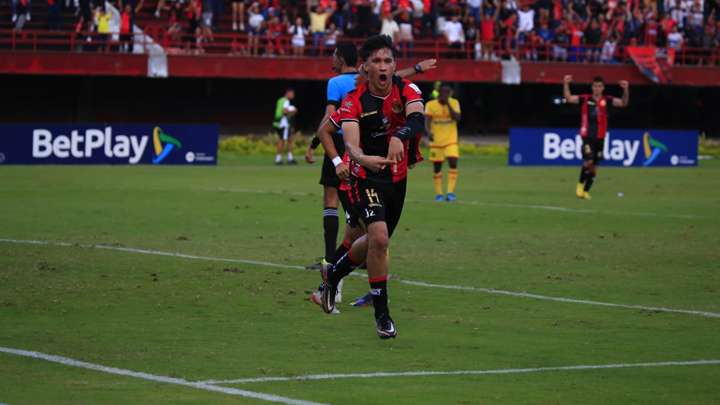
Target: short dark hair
598, 79
289, 89
349, 52
375, 43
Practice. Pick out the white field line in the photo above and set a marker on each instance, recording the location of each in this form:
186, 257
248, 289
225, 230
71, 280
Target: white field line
168, 380
409, 282
467, 372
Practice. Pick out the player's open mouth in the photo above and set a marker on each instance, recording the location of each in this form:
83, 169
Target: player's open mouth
383, 77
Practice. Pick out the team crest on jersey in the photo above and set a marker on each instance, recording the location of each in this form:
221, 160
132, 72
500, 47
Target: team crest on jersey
416, 88
397, 107
348, 104
602, 103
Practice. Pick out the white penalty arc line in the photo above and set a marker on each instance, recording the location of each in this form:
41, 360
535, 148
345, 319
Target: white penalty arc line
409, 282
168, 380
468, 372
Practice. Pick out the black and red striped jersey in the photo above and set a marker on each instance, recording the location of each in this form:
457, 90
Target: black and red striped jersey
379, 118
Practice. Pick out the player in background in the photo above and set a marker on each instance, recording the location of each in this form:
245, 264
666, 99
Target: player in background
380, 119
284, 111
441, 118
593, 126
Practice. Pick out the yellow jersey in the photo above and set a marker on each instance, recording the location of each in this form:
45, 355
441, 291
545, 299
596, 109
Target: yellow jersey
442, 126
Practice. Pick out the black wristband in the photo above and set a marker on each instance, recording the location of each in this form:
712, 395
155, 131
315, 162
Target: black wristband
418, 69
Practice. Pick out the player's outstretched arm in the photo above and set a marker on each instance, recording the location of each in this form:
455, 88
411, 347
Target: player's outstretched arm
623, 102
421, 67
569, 97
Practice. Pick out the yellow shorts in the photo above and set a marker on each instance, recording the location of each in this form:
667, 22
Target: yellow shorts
440, 153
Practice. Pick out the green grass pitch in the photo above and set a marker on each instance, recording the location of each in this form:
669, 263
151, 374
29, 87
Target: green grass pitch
184, 285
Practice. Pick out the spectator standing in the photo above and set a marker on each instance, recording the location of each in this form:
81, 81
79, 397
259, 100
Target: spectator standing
126, 37
275, 30
526, 18
455, 37
53, 15
332, 33
593, 36
487, 35
429, 18
560, 44
390, 28
298, 32
26, 5
103, 28
318, 21
193, 15
407, 33
238, 14
546, 39
206, 22
507, 30
675, 40
174, 28
255, 20
472, 10
364, 14
284, 114
608, 51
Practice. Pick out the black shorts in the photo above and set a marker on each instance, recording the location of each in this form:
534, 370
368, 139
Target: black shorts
593, 149
351, 217
379, 202
328, 176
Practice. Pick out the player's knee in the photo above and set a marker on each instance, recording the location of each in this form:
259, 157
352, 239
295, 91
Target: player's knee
379, 243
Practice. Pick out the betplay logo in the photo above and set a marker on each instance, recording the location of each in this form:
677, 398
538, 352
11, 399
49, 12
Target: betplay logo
555, 147
84, 145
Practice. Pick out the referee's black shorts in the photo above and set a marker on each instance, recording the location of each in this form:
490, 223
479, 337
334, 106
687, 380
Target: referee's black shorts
328, 177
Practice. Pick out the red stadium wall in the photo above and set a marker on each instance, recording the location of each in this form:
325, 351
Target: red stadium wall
239, 94
63, 63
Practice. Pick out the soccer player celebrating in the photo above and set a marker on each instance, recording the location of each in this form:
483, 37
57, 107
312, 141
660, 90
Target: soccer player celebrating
593, 126
441, 118
344, 60
379, 119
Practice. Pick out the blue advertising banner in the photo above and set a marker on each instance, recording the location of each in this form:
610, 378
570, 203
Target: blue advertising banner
562, 146
108, 144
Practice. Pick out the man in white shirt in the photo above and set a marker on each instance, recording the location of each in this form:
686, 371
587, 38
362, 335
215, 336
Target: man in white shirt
455, 37
526, 18
390, 28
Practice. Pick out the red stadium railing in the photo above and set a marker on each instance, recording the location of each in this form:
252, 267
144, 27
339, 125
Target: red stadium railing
281, 46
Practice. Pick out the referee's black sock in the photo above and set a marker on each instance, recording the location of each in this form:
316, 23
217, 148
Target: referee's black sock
583, 174
590, 180
343, 267
378, 290
330, 230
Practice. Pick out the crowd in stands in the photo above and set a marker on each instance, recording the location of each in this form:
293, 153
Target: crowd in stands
561, 30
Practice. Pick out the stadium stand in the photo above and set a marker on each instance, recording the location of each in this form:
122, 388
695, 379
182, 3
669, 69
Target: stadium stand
576, 30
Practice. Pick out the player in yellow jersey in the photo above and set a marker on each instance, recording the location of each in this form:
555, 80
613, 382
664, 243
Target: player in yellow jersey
441, 118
